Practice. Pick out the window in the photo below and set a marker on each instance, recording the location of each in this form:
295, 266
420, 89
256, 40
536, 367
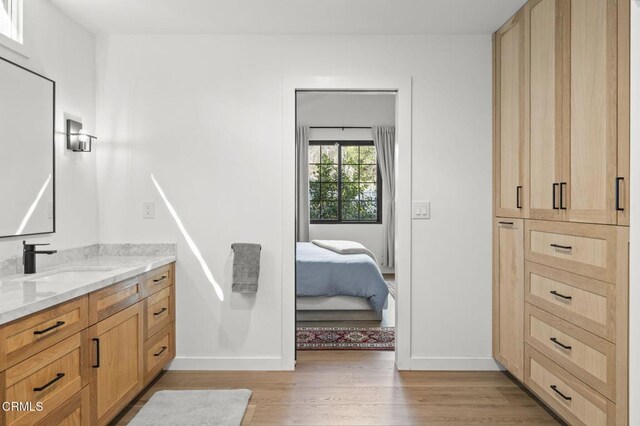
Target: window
11, 19
344, 182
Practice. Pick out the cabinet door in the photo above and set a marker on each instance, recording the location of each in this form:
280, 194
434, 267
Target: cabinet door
590, 156
508, 294
548, 61
509, 114
117, 363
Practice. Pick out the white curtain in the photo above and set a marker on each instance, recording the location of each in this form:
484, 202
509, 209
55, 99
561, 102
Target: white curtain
302, 180
384, 139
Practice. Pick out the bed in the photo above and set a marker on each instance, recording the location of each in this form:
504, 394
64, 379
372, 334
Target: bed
334, 286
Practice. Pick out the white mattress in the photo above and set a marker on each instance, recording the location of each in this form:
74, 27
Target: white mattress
333, 303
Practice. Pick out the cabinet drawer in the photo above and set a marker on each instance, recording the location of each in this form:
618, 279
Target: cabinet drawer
158, 311
158, 351
585, 302
583, 249
158, 279
107, 301
583, 354
570, 398
74, 412
28, 336
50, 377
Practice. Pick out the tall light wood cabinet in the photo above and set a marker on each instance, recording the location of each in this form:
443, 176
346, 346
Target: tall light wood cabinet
509, 118
508, 294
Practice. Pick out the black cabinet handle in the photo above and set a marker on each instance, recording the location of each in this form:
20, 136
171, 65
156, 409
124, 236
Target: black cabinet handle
561, 247
555, 389
164, 348
49, 383
557, 342
162, 278
505, 223
553, 194
555, 293
618, 180
160, 311
46, 330
519, 197
97, 364
563, 185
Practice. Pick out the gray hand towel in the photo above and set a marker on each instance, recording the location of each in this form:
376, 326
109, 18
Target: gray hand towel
246, 267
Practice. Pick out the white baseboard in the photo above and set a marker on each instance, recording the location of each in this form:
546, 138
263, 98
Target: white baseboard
454, 364
221, 364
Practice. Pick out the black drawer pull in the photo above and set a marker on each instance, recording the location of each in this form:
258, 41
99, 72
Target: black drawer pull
561, 247
563, 185
555, 340
164, 348
553, 194
162, 278
618, 180
97, 364
505, 223
160, 311
46, 330
52, 381
555, 293
519, 197
555, 389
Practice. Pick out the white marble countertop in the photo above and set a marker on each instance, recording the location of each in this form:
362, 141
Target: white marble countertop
21, 295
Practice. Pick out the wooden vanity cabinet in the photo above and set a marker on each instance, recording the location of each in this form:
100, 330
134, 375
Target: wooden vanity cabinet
92, 355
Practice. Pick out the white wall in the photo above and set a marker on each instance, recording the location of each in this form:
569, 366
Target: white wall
346, 109
203, 113
60, 49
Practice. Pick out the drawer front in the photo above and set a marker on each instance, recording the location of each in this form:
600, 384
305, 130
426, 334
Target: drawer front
158, 279
108, 301
570, 398
585, 302
29, 336
50, 378
159, 311
74, 412
583, 354
158, 351
584, 249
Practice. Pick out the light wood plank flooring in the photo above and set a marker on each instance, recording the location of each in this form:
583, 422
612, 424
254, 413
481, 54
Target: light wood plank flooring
363, 388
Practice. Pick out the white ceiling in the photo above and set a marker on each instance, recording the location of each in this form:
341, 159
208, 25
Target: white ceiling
290, 16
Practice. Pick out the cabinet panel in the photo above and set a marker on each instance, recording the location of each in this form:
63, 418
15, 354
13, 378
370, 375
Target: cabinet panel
590, 165
509, 105
508, 294
159, 310
107, 301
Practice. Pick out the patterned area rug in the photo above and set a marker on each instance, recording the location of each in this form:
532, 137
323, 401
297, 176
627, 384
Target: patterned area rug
346, 338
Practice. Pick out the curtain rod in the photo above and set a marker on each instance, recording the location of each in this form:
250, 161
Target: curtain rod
340, 127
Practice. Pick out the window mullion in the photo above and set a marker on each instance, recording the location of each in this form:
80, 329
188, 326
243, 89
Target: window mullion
339, 182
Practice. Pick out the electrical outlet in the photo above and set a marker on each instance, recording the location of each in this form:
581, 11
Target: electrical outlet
421, 210
148, 210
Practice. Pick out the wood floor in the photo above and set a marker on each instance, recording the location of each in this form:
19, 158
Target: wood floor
363, 388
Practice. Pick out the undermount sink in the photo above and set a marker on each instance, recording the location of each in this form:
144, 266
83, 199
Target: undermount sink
69, 275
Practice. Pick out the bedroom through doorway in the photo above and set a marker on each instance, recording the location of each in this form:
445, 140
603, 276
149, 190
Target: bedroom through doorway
345, 228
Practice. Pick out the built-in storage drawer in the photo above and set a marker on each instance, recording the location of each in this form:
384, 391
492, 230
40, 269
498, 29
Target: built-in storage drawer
107, 301
588, 357
158, 279
568, 396
583, 301
158, 311
158, 351
584, 249
28, 336
50, 378
74, 412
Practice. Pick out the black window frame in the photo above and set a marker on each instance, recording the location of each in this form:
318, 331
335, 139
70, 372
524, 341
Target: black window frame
340, 221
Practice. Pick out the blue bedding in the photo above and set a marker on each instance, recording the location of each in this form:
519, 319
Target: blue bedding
322, 272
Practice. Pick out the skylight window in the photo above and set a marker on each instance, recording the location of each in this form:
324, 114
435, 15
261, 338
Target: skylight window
11, 19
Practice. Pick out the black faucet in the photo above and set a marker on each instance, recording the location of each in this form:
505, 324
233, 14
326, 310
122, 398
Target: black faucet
29, 256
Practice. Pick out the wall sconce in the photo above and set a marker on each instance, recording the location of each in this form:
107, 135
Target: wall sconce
77, 141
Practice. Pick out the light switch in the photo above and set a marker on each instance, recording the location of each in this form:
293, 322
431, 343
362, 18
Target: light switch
421, 210
148, 210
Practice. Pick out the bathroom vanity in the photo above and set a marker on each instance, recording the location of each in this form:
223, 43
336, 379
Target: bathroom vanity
79, 342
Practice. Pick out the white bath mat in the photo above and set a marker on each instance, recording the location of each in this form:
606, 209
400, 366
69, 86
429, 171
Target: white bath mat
194, 407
